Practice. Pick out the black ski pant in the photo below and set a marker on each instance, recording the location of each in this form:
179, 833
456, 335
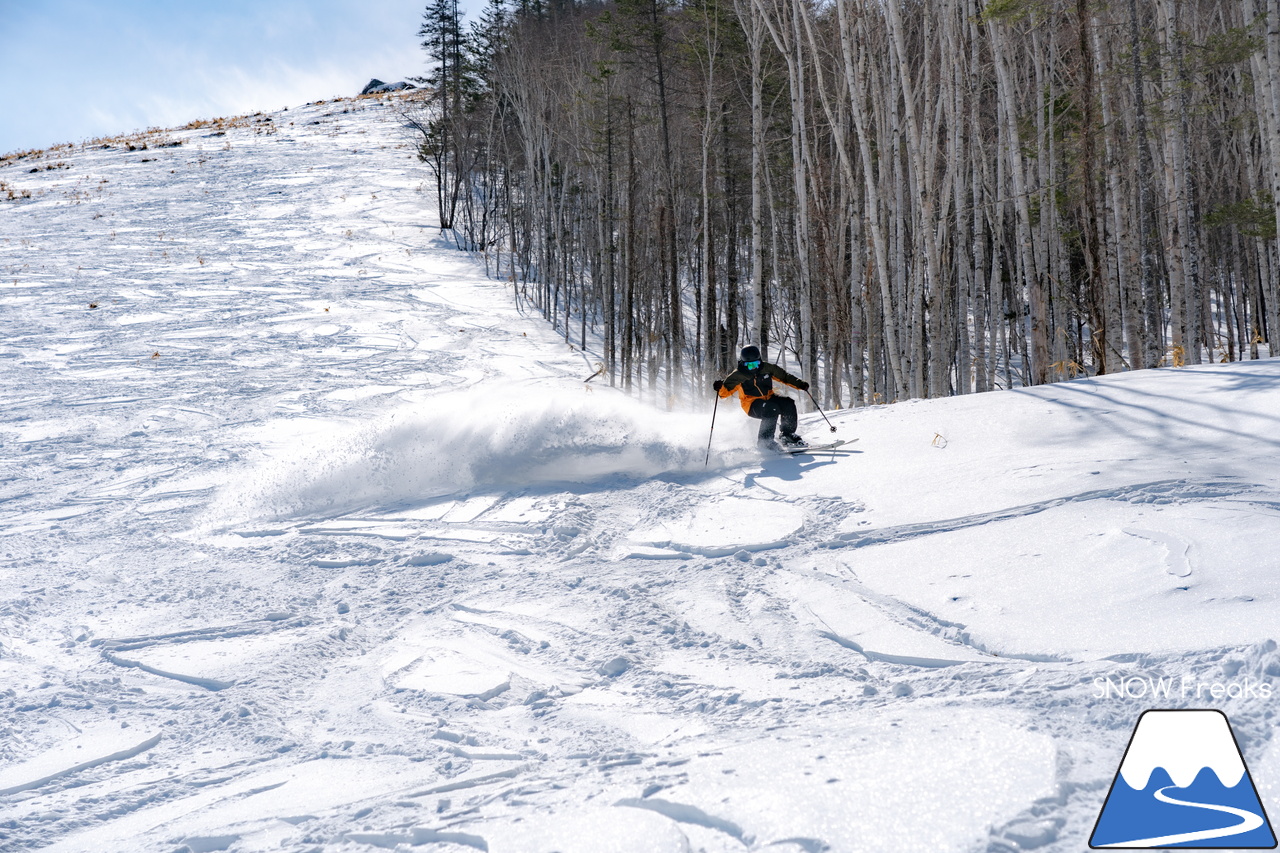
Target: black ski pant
768, 410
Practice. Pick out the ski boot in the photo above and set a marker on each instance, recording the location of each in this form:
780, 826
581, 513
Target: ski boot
769, 445
793, 442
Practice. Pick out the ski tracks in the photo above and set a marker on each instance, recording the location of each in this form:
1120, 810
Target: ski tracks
656, 659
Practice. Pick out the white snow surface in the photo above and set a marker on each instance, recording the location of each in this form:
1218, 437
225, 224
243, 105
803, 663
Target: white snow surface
312, 537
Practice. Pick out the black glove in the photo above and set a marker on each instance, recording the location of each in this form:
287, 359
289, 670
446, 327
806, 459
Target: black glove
717, 385
802, 385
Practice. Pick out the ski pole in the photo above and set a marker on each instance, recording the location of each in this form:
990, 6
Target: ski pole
819, 408
707, 461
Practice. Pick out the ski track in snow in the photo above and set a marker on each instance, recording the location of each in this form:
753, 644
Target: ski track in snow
313, 539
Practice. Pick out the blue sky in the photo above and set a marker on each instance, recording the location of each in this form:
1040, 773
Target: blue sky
77, 69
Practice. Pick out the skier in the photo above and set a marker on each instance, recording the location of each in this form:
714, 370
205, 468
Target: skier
753, 382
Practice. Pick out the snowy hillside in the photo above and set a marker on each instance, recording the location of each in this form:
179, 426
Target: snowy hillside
311, 540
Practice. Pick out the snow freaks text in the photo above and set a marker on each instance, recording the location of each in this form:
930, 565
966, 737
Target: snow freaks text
1185, 687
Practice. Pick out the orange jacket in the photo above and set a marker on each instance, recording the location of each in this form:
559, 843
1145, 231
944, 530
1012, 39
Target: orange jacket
758, 384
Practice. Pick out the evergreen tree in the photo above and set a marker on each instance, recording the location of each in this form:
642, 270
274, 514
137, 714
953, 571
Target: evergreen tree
454, 88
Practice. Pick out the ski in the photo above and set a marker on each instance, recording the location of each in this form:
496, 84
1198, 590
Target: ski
819, 447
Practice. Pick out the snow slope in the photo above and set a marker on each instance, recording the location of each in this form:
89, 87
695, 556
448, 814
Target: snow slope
312, 539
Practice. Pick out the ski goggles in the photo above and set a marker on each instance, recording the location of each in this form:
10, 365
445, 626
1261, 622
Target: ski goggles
752, 365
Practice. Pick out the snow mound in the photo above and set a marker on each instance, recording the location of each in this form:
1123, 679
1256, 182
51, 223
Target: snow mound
501, 437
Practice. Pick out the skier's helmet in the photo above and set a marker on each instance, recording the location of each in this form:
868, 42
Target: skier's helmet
750, 353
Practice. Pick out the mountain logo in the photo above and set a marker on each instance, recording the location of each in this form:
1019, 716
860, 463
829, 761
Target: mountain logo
1183, 783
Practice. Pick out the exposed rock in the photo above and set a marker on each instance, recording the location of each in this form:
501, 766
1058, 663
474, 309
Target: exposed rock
376, 86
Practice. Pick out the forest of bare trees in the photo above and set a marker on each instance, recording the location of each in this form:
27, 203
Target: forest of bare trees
898, 198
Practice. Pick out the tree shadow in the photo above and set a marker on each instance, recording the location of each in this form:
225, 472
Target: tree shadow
1136, 411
